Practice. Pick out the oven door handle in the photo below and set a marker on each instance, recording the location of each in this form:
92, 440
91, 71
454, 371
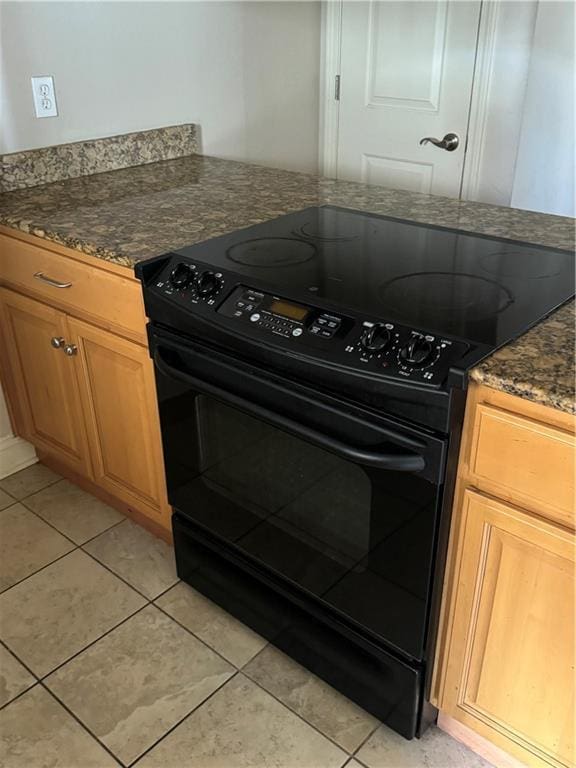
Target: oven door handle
403, 461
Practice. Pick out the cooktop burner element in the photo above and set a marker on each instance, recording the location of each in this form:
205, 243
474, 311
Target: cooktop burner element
431, 295
311, 231
524, 264
270, 252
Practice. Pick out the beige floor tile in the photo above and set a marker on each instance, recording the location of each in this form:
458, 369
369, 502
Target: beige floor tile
311, 698
14, 678
241, 726
26, 544
73, 512
55, 613
136, 683
140, 558
5, 500
210, 623
28, 481
436, 749
38, 733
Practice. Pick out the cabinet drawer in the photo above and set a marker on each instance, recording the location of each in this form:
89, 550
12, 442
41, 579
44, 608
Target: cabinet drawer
524, 460
112, 301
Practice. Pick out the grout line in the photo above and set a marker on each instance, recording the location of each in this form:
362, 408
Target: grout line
34, 573
26, 667
284, 704
46, 522
114, 525
19, 695
93, 642
210, 648
122, 579
34, 682
165, 591
362, 743
39, 490
70, 551
173, 728
80, 723
298, 715
66, 536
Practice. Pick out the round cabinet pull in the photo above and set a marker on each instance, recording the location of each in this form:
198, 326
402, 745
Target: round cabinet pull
70, 349
57, 342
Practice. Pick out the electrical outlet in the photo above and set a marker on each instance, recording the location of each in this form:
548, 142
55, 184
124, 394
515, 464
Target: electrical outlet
44, 96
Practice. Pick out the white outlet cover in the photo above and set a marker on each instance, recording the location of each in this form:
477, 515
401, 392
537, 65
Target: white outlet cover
44, 96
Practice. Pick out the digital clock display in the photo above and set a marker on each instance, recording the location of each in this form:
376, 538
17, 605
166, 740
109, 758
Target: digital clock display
291, 311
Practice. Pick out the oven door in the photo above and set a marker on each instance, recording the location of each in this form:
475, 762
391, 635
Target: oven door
339, 504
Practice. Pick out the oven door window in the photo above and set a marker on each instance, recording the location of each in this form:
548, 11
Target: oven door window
359, 539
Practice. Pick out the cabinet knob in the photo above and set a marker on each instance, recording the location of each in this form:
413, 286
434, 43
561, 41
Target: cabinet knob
70, 349
57, 342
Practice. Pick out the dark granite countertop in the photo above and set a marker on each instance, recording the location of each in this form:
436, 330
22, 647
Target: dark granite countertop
128, 215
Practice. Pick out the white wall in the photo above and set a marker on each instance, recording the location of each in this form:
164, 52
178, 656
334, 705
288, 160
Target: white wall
246, 72
544, 179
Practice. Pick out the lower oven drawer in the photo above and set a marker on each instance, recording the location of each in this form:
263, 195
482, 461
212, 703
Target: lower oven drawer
380, 683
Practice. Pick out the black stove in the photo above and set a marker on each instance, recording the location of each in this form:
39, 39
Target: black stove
311, 375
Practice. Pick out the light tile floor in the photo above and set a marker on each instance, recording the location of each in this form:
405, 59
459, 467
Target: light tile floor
107, 659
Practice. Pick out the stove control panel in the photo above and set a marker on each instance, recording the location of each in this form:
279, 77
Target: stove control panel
406, 352
371, 346
280, 316
188, 281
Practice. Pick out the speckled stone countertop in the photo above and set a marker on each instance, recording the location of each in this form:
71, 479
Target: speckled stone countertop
129, 215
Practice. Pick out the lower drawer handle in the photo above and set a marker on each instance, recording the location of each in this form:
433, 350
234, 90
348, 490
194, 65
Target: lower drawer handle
54, 283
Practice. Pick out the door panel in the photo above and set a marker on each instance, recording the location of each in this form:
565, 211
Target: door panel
512, 666
406, 45
117, 388
406, 73
45, 378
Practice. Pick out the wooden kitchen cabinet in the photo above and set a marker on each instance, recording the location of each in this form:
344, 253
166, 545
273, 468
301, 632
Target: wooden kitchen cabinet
92, 413
118, 394
49, 404
506, 653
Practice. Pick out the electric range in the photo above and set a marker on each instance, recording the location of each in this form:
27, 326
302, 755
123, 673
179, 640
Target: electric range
311, 375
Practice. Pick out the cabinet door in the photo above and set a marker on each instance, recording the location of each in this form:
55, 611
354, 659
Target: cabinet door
511, 657
119, 397
43, 379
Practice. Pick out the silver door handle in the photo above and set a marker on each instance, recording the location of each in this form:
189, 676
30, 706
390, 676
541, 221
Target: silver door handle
449, 142
70, 349
54, 283
57, 342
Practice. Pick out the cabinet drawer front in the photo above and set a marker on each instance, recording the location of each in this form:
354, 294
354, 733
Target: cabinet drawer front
524, 460
109, 299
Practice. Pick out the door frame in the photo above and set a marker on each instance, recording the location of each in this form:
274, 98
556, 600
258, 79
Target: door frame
331, 44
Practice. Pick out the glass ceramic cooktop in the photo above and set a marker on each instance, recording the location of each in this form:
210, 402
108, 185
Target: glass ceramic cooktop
477, 288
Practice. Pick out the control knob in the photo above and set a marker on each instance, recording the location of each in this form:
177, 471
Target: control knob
375, 338
417, 352
208, 283
181, 276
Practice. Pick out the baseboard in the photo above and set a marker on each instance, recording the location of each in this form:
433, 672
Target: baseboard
15, 454
478, 744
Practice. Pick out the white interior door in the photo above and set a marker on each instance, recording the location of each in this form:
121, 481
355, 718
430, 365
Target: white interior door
406, 73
